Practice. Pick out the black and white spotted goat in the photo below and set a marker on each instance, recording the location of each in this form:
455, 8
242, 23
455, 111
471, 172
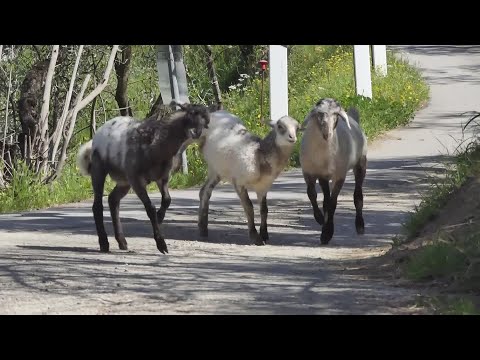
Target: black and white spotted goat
135, 153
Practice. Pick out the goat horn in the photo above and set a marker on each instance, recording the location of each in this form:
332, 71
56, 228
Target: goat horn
175, 103
343, 114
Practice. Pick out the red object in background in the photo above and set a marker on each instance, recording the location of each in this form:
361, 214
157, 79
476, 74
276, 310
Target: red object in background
264, 64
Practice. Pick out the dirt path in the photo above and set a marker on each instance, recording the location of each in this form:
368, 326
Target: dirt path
49, 262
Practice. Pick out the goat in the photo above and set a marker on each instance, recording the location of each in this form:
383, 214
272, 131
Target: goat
247, 161
330, 149
135, 153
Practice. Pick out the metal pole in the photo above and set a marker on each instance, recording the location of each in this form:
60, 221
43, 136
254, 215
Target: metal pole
176, 97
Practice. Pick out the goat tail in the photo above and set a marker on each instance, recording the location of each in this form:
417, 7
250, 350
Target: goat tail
354, 114
84, 158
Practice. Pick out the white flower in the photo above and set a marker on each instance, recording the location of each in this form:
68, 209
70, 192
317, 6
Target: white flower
232, 87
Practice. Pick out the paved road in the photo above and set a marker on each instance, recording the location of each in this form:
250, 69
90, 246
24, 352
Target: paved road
49, 261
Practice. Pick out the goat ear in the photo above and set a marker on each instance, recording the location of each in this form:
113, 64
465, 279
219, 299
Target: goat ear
303, 125
344, 115
173, 104
269, 122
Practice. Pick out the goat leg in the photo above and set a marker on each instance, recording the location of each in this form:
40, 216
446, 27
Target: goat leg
117, 194
328, 227
166, 198
263, 214
205, 194
312, 195
98, 175
141, 192
359, 171
248, 208
326, 193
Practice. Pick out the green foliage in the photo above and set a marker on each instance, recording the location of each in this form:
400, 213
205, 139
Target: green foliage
437, 260
327, 71
314, 72
465, 165
27, 192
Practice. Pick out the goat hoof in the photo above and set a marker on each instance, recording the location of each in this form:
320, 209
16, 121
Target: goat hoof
203, 231
360, 226
104, 248
104, 245
122, 246
264, 235
162, 246
324, 241
257, 239
325, 238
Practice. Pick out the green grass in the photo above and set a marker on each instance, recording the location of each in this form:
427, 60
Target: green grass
454, 261
452, 257
327, 71
444, 305
26, 191
465, 165
436, 261
314, 72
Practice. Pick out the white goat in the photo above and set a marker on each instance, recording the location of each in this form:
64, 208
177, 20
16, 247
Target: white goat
247, 161
328, 151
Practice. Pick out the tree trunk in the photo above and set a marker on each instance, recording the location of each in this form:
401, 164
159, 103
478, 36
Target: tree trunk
43, 120
248, 58
213, 76
93, 121
79, 105
122, 69
58, 133
30, 93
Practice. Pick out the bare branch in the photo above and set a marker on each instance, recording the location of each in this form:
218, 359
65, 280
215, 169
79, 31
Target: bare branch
39, 55
43, 121
60, 124
122, 69
213, 76
6, 113
42, 155
2, 181
104, 81
71, 127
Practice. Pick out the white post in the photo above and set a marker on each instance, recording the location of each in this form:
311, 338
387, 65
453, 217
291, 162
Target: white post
278, 82
176, 97
363, 79
169, 82
380, 59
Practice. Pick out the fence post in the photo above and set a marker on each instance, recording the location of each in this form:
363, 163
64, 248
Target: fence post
363, 78
278, 81
380, 59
